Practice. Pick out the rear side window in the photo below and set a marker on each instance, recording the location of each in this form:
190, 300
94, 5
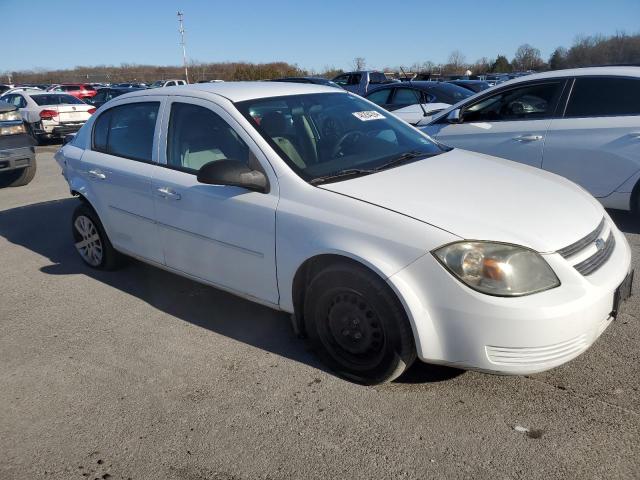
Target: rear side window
127, 131
354, 79
198, 136
604, 97
379, 97
377, 77
406, 96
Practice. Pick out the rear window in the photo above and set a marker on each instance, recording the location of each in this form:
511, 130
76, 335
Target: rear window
56, 99
604, 97
449, 93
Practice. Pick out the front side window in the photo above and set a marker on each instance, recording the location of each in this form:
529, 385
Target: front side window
603, 97
377, 77
198, 136
127, 130
531, 102
323, 135
342, 80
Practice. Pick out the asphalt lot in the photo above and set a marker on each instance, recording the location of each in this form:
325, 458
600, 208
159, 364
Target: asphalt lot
141, 374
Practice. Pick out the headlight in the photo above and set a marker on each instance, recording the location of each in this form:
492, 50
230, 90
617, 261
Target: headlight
13, 129
497, 268
10, 116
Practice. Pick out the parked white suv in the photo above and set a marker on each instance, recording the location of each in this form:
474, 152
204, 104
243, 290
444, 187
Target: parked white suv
50, 115
583, 124
167, 83
383, 244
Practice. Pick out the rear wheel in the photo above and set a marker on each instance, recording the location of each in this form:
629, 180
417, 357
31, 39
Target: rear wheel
91, 241
357, 325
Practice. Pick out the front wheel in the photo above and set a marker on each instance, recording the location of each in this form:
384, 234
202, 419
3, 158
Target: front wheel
357, 325
91, 241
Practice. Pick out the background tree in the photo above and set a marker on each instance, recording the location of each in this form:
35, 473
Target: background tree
359, 63
558, 58
456, 63
501, 65
527, 58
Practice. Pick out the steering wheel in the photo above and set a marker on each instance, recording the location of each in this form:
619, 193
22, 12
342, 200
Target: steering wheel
349, 139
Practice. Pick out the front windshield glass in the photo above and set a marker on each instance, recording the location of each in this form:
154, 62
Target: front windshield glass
157, 84
329, 134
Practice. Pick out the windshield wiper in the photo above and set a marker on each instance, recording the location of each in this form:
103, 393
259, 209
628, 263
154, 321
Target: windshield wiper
405, 157
347, 172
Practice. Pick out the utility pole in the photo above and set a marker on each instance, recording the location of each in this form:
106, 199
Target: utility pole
184, 47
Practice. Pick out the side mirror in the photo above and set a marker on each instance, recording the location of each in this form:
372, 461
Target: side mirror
454, 116
233, 173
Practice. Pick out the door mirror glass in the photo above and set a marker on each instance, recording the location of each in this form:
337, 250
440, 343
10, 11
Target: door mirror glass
233, 173
454, 116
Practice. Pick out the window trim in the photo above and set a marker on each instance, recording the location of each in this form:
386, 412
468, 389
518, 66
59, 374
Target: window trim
110, 109
570, 93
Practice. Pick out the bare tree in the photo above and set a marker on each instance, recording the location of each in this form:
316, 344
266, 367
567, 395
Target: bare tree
527, 58
359, 63
457, 61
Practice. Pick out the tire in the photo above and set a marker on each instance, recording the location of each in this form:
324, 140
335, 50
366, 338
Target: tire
357, 325
19, 178
91, 241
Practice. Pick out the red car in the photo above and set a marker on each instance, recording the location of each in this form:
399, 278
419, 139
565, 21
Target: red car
78, 90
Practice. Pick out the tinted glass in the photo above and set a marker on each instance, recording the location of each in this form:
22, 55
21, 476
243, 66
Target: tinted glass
70, 88
377, 77
449, 93
325, 133
100, 131
101, 96
526, 103
198, 136
601, 97
379, 97
406, 96
130, 130
355, 79
56, 99
342, 80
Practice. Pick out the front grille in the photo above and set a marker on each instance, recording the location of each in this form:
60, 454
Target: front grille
595, 261
583, 243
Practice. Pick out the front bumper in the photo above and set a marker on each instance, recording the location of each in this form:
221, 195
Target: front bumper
16, 151
458, 326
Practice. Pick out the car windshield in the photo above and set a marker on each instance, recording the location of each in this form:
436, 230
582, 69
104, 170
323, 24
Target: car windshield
156, 84
56, 99
326, 136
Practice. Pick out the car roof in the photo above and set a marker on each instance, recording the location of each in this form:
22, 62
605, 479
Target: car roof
577, 72
240, 91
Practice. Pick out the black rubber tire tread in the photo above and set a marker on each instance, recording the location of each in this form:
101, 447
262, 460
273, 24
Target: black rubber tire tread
111, 258
400, 351
23, 176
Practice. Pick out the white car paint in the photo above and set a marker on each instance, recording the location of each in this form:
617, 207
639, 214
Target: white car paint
602, 154
68, 118
416, 115
252, 244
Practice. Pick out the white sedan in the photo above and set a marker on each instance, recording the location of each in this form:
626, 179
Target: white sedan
384, 245
50, 115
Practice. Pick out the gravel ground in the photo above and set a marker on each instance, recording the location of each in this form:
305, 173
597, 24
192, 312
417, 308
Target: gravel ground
141, 374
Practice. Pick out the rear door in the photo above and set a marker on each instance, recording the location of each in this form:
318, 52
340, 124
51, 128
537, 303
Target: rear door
511, 123
597, 142
118, 168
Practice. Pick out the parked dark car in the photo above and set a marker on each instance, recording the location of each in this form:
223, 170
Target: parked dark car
17, 153
474, 85
107, 93
399, 95
316, 80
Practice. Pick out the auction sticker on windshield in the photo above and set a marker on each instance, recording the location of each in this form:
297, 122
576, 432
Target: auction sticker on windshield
368, 115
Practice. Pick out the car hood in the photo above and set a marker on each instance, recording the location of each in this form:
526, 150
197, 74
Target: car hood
480, 197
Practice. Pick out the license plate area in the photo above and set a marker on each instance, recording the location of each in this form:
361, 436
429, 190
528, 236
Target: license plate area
622, 293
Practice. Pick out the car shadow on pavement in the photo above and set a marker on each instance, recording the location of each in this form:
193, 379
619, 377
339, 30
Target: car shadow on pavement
45, 228
627, 222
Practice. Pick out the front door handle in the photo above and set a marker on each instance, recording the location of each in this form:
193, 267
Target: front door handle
166, 192
528, 138
97, 174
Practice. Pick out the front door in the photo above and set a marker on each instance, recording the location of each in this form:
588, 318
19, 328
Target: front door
221, 234
511, 123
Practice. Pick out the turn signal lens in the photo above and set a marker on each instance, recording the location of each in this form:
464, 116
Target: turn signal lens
497, 268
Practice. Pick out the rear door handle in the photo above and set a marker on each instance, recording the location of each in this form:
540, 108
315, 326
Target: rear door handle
97, 174
166, 192
528, 138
